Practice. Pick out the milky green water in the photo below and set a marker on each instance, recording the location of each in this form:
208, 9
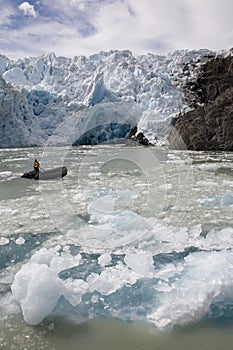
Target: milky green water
112, 334
183, 182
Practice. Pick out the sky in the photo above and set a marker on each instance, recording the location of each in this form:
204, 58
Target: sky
84, 27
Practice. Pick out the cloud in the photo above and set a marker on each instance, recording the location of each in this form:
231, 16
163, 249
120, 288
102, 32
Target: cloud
7, 11
27, 9
186, 23
165, 24
75, 27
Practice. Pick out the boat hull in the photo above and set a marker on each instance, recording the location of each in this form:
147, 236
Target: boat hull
47, 174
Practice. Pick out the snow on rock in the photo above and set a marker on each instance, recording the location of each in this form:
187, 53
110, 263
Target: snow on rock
44, 92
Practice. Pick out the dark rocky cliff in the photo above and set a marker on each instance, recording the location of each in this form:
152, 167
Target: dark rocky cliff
209, 123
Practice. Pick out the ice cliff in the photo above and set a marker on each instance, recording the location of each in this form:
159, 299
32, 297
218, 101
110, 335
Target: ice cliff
71, 100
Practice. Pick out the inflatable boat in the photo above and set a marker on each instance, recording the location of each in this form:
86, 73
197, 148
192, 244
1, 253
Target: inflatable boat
46, 174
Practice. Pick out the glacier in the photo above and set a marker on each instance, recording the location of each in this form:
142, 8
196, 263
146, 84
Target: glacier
66, 100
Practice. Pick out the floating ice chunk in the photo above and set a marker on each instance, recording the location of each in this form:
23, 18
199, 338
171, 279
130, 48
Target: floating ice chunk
112, 279
102, 211
4, 241
8, 212
206, 279
227, 198
228, 183
166, 187
141, 262
218, 239
111, 230
37, 289
163, 287
128, 220
105, 259
66, 248
209, 166
206, 184
168, 271
64, 262
37, 286
75, 289
78, 197
9, 305
94, 175
95, 298
123, 196
101, 206
5, 174
43, 256
195, 231
20, 241
165, 233
217, 199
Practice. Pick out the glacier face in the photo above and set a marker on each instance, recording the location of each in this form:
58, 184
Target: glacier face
58, 99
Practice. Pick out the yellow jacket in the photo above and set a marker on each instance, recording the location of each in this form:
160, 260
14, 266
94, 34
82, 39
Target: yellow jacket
36, 164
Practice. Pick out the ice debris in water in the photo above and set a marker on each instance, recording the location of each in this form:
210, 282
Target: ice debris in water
141, 262
109, 227
103, 212
218, 199
181, 292
4, 241
206, 279
209, 166
20, 241
112, 279
8, 211
37, 286
5, 174
105, 259
101, 206
37, 289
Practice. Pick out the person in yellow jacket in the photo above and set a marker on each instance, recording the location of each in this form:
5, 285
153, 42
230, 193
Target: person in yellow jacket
36, 165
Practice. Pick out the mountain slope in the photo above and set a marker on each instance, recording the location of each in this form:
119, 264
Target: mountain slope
209, 124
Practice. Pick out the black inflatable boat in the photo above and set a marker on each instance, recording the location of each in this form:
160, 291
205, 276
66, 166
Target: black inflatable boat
46, 174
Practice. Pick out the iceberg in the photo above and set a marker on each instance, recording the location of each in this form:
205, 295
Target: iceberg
37, 286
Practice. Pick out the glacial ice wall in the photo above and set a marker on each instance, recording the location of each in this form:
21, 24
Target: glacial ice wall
54, 89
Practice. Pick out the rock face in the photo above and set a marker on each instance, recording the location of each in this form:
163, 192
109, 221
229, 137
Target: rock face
209, 124
138, 137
